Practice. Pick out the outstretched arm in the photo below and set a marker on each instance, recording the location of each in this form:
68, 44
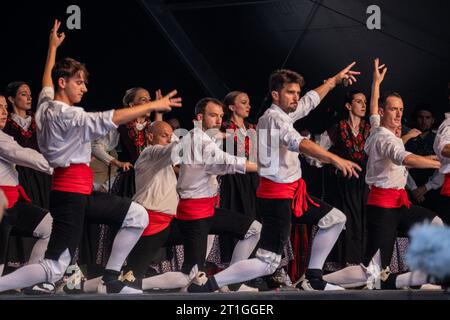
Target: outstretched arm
122, 116
419, 162
55, 41
376, 82
346, 76
312, 149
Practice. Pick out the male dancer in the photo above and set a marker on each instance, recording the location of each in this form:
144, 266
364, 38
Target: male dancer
65, 133
282, 191
388, 208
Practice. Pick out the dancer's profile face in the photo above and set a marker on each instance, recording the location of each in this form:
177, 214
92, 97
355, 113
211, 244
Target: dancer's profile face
287, 99
74, 87
391, 114
161, 134
3, 112
358, 105
241, 106
22, 100
212, 118
142, 97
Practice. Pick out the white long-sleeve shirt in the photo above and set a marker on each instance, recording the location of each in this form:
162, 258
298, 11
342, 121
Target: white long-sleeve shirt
64, 132
386, 153
442, 139
155, 179
279, 142
202, 162
11, 154
105, 144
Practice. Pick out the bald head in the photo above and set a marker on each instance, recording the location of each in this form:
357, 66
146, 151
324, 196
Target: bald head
160, 133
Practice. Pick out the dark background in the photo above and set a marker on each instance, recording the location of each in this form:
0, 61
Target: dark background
241, 42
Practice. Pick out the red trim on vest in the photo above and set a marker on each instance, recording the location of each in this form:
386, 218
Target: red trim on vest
158, 222
445, 191
194, 209
77, 178
388, 198
14, 194
296, 191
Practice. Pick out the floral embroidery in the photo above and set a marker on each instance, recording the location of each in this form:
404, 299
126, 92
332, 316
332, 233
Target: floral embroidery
24, 133
138, 136
354, 145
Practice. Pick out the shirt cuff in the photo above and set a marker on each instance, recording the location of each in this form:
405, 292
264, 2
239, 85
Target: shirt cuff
108, 116
240, 165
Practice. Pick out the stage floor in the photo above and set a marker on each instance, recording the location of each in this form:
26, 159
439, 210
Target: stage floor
262, 296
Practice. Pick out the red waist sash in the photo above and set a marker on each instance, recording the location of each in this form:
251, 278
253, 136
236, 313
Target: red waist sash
14, 194
158, 221
296, 191
194, 209
77, 178
388, 198
445, 191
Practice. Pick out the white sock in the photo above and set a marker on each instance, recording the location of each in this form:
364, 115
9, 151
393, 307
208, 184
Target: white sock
124, 241
323, 243
241, 271
42, 231
353, 275
134, 224
23, 277
245, 247
168, 280
91, 285
415, 278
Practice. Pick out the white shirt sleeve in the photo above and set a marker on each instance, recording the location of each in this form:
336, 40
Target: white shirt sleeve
436, 181
375, 121
442, 140
157, 153
219, 162
46, 94
94, 124
12, 152
392, 150
306, 104
101, 146
289, 137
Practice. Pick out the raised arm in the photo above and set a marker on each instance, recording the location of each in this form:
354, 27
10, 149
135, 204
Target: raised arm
158, 115
346, 76
122, 116
54, 42
376, 82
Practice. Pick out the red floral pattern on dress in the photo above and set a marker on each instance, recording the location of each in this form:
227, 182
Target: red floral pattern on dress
354, 145
240, 148
138, 136
24, 133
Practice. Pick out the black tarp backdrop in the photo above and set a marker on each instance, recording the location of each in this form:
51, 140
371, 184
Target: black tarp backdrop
242, 41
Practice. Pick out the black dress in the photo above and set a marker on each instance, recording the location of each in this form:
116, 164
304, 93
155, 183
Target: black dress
348, 195
238, 191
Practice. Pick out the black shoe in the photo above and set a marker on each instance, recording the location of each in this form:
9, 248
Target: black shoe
131, 281
110, 283
201, 283
44, 288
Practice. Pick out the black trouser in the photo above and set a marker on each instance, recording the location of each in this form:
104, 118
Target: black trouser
195, 234
69, 211
276, 217
145, 250
385, 225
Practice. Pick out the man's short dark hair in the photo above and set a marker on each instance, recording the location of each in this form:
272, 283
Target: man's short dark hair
200, 107
383, 99
280, 77
67, 68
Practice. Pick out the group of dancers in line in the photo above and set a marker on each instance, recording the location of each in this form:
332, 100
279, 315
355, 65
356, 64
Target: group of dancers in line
176, 189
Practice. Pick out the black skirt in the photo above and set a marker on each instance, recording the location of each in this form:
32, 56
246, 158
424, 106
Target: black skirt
36, 185
237, 193
124, 184
349, 196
